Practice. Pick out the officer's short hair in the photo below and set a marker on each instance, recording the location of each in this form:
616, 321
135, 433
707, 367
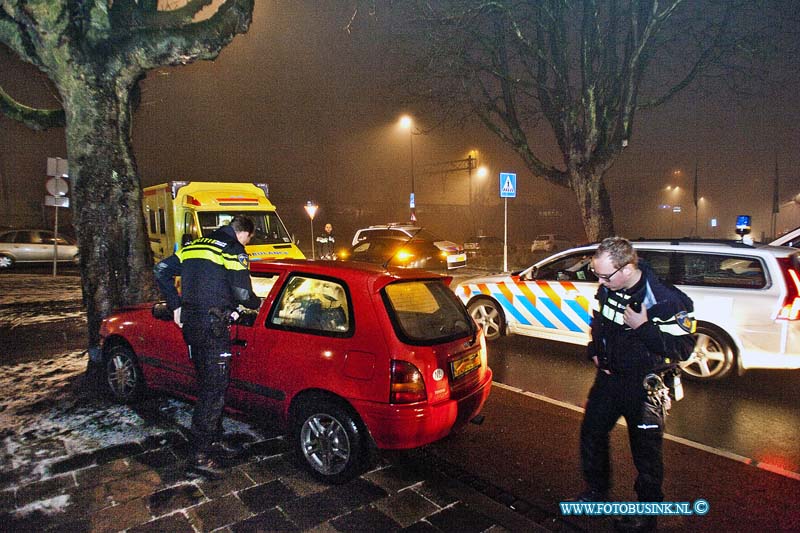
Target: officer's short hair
619, 249
243, 223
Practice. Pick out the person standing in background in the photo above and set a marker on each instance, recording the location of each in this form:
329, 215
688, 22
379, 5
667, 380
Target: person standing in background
327, 242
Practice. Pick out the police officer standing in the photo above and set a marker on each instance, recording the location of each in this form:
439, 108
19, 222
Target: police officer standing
641, 330
214, 281
327, 243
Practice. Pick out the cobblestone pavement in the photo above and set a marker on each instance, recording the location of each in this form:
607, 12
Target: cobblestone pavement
142, 486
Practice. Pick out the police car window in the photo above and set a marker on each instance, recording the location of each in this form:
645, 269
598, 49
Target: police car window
573, 267
313, 305
659, 262
716, 270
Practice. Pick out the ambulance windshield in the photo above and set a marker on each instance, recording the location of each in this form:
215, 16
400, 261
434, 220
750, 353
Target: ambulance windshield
269, 227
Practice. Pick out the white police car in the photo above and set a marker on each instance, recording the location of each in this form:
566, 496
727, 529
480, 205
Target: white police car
746, 297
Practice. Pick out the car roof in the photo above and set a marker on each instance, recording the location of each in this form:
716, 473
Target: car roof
375, 276
695, 245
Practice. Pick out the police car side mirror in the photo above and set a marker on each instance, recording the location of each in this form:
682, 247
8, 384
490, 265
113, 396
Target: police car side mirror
186, 238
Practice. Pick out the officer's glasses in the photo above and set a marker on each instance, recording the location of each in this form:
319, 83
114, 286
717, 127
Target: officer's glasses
604, 277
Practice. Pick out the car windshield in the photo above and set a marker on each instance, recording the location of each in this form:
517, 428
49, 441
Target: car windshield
269, 228
426, 312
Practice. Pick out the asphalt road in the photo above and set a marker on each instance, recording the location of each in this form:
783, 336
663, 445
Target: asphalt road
755, 415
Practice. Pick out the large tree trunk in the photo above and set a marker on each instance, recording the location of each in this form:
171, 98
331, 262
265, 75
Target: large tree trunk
116, 260
594, 204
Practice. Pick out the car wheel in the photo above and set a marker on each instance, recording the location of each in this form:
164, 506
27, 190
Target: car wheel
6, 262
329, 442
489, 316
123, 376
713, 356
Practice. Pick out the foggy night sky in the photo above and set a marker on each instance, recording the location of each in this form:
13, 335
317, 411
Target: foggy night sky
301, 104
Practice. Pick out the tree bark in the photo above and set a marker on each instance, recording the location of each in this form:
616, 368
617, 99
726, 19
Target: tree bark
594, 204
116, 260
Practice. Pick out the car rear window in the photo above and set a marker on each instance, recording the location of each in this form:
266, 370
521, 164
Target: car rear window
710, 270
707, 269
426, 312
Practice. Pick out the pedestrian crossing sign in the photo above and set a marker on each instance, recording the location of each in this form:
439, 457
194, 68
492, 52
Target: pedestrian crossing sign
508, 185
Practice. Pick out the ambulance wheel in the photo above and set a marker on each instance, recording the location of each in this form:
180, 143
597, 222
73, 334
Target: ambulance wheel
713, 357
489, 316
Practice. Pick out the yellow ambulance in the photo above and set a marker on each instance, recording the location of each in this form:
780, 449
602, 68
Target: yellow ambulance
178, 212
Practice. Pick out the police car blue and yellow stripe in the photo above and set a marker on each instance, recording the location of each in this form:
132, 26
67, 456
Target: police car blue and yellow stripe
557, 305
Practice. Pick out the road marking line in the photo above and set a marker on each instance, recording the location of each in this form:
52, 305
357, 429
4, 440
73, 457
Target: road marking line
680, 440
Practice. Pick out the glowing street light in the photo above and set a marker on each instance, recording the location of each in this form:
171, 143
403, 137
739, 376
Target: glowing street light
311, 208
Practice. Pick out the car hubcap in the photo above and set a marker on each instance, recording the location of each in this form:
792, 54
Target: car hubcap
707, 359
325, 444
121, 376
5, 262
488, 318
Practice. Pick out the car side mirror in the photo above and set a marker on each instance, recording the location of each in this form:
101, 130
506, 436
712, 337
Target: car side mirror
186, 239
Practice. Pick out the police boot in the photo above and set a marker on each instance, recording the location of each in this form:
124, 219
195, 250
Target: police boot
225, 450
202, 464
635, 523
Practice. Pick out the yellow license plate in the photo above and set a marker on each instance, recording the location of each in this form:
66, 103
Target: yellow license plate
465, 365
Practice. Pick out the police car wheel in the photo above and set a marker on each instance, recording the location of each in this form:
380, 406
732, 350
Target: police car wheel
489, 316
123, 376
713, 356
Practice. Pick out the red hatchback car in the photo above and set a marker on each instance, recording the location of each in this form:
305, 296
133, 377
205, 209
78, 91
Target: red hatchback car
346, 357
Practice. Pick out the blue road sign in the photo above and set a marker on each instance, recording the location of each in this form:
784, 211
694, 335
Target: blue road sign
508, 185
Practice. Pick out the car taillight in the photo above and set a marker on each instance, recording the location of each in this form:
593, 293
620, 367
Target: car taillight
407, 385
790, 310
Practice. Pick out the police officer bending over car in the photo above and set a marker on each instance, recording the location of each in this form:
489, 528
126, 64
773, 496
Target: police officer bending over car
641, 330
214, 281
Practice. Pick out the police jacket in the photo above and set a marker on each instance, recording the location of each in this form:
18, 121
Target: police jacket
658, 344
326, 243
213, 273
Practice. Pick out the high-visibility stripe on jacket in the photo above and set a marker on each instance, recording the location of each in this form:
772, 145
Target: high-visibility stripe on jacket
214, 273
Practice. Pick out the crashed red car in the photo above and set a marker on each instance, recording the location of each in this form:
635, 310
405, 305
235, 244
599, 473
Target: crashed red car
346, 357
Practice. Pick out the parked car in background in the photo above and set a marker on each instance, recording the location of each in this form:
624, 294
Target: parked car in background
483, 245
399, 252
346, 357
34, 246
456, 258
746, 298
791, 238
551, 242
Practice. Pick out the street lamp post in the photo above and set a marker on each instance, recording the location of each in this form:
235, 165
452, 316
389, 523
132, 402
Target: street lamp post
311, 208
472, 163
407, 123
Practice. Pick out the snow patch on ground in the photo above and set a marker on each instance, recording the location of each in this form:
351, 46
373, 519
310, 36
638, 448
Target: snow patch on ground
46, 415
46, 412
49, 506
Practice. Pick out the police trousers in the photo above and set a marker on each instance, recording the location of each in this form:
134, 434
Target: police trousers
211, 356
611, 397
